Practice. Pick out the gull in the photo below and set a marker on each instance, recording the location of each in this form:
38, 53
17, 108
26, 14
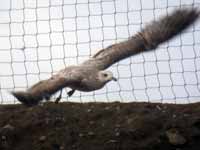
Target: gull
92, 74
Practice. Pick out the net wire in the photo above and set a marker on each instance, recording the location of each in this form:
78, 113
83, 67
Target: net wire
38, 38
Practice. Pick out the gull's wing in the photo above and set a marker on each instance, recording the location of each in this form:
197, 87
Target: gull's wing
149, 38
39, 91
46, 88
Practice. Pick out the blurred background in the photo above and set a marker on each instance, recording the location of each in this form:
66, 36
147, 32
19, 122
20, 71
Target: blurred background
40, 37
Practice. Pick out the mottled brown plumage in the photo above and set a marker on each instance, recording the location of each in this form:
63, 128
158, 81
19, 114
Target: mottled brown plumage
90, 75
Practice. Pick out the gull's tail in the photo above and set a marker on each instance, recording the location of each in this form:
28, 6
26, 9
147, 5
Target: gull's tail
25, 98
41, 90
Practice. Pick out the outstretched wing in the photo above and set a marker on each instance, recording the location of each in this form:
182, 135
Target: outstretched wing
149, 38
46, 88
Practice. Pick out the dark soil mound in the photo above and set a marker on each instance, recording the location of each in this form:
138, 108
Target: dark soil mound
100, 126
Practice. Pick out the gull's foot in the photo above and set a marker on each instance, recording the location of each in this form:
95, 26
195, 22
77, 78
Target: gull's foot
47, 97
59, 97
70, 93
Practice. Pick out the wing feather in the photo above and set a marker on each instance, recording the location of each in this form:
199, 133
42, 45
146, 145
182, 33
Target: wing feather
149, 38
46, 88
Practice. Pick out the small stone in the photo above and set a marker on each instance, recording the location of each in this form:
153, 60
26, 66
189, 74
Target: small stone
91, 122
9, 127
186, 115
42, 138
89, 110
81, 135
107, 108
118, 108
112, 141
117, 134
130, 120
3, 138
117, 125
7, 130
174, 116
175, 138
47, 121
90, 133
158, 107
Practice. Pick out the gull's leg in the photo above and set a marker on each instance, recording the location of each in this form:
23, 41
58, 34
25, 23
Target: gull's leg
70, 93
47, 97
59, 97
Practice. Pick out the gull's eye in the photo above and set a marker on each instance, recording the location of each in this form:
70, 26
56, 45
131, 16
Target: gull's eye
105, 75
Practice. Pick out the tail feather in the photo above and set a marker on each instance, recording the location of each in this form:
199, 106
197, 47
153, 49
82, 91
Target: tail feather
39, 91
25, 98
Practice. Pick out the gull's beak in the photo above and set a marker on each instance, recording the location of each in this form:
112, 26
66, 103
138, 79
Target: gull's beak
114, 79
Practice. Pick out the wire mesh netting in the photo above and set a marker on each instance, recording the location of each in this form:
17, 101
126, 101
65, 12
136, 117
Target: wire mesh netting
38, 38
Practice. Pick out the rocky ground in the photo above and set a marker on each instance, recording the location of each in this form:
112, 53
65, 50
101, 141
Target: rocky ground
100, 126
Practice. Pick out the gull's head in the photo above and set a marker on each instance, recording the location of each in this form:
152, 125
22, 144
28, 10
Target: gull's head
106, 76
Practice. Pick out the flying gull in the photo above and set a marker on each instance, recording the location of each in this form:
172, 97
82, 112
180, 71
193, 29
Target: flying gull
91, 74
